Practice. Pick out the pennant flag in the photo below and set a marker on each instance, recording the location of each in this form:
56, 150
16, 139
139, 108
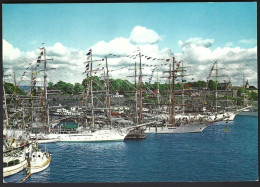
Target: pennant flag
35, 73
167, 60
149, 58
89, 52
38, 61
99, 64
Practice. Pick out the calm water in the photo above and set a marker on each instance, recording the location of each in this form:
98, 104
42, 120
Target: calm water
213, 155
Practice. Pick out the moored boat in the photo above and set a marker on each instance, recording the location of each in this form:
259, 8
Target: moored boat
188, 128
39, 161
13, 162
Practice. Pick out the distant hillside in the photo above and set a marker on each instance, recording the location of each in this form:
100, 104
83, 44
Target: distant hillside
26, 88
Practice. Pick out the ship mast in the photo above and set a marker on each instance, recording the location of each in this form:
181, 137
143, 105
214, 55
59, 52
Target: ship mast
91, 90
244, 86
170, 92
44, 94
5, 104
140, 95
16, 99
216, 94
32, 94
158, 91
136, 107
108, 95
172, 95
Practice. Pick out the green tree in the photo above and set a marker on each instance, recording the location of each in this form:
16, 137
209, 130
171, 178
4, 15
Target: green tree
10, 89
201, 84
239, 92
212, 85
253, 96
66, 88
69, 88
60, 85
78, 88
84, 83
50, 86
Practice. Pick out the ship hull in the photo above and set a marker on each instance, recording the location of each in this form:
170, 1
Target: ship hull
90, 136
35, 168
180, 129
11, 170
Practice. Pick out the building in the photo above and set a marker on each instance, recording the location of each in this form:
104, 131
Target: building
250, 88
225, 89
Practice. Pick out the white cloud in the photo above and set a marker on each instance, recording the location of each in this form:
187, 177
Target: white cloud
10, 52
229, 44
68, 63
118, 46
249, 41
196, 42
142, 35
197, 54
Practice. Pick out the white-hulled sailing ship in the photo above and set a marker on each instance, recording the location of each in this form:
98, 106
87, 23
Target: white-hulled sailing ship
180, 123
94, 134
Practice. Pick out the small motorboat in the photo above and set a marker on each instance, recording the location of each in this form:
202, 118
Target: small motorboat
40, 160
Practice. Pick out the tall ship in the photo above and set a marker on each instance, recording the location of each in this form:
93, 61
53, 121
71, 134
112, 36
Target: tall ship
177, 123
92, 131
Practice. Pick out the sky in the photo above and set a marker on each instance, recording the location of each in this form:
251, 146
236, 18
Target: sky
196, 33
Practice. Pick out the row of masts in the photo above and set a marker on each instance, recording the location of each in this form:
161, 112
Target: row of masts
138, 113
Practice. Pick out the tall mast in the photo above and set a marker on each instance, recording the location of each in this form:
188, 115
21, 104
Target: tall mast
136, 107
16, 100
172, 94
5, 104
170, 91
216, 94
244, 86
108, 95
31, 94
141, 97
45, 87
158, 91
23, 119
91, 90
182, 93
43, 113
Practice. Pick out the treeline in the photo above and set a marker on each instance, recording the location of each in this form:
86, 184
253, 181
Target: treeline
123, 87
11, 89
251, 95
66, 88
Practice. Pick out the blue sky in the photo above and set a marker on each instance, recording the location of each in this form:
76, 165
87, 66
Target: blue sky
198, 33
81, 25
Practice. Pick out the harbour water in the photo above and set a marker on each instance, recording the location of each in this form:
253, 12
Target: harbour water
222, 152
